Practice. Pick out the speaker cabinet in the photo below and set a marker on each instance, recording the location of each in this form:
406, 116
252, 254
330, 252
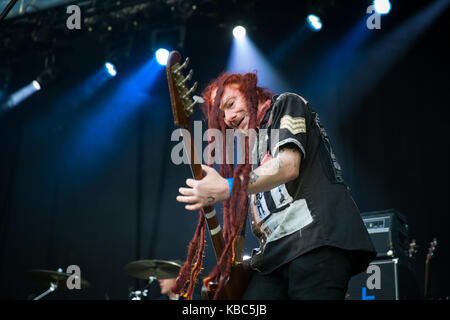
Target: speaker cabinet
384, 280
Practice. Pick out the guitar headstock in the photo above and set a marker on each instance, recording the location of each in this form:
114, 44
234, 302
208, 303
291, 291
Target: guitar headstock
180, 95
412, 248
431, 249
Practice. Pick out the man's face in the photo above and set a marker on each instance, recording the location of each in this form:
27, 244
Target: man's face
166, 285
234, 106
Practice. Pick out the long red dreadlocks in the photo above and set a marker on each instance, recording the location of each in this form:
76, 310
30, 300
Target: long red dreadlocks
235, 208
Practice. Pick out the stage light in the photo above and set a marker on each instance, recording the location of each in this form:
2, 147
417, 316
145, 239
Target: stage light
45, 78
239, 32
111, 69
314, 22
94, 136
246, 57
382, 6
36, 85
21, 95
161, 56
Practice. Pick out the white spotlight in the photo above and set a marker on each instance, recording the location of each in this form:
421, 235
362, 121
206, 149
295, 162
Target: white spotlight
239, 32
21, 94
162, 55
111, 69
36, 85
382, 6
314, 22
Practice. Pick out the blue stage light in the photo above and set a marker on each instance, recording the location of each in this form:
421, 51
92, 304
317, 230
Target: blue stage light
314, 22
111, 69
161, 56
382, 6
239, 32
95, 135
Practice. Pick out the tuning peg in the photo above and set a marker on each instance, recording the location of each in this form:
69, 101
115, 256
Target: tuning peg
191, 90
197, 99
189, 111
188, 77
184, 65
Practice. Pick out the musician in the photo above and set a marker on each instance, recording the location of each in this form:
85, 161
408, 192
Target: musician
312, 238
166, 286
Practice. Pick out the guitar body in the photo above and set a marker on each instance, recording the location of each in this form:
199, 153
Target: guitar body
233, 289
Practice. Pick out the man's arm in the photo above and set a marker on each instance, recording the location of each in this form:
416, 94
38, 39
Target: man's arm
284, 168
214, 188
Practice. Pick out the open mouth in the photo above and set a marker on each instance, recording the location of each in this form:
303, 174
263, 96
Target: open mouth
238, 125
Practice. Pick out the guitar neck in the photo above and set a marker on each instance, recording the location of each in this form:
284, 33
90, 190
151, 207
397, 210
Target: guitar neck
182, 109
210, 213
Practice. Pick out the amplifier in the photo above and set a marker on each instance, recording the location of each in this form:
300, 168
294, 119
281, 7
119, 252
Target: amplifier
384, 280
389, 232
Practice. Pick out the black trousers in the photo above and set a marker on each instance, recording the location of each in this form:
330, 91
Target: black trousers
321, 274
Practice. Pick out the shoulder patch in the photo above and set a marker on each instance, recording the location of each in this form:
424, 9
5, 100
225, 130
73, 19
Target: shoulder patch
294, 125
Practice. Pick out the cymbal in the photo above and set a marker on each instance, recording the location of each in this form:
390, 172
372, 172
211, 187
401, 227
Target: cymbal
160, 269
45, 277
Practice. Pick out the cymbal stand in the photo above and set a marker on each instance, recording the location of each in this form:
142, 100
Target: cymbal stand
53, 287
138, 294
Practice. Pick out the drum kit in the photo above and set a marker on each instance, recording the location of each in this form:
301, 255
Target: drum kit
149, 270
55, 280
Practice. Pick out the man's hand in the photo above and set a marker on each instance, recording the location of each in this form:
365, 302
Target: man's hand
213, 188
205, 192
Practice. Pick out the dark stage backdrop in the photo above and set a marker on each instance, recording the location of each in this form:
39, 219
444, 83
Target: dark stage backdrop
110, 199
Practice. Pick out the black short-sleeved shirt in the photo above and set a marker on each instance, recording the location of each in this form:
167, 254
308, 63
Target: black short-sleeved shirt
315, 209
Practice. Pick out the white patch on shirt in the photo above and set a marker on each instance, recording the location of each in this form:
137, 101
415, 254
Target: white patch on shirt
280, 196
292, 219
261, 208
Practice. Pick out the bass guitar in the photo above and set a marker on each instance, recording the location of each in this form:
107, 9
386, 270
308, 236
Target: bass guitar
183, 102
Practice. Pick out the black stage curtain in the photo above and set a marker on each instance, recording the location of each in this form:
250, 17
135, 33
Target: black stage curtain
105, 207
